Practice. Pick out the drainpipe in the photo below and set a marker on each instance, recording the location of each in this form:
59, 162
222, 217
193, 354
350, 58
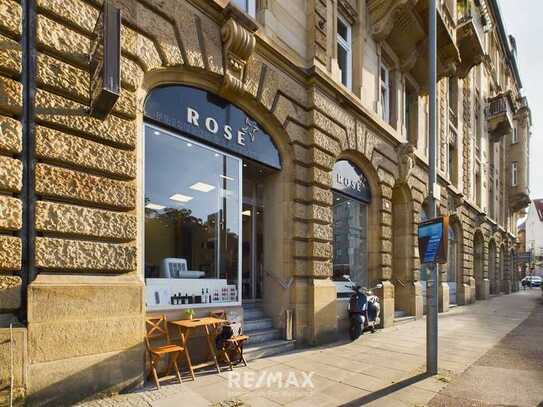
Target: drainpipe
28, 233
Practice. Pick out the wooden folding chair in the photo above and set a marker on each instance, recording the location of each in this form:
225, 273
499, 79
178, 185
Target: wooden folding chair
157, 329
234, 345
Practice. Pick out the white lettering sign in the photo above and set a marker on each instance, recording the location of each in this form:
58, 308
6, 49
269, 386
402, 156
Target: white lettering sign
212, 126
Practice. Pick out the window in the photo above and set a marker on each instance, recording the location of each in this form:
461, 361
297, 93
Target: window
452, 164
192, 223
478, 130
411, 110
384, 81
514, 138
478, 185
350, 222
514, 173
344, 52
249, 6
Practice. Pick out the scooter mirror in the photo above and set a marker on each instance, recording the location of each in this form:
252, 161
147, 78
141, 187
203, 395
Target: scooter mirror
379, 285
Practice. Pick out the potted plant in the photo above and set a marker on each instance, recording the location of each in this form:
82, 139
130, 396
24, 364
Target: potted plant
189, 313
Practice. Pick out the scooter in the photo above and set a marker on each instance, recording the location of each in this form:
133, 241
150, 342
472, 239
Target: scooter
364, 309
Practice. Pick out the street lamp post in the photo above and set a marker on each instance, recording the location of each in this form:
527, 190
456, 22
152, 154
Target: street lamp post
433, 281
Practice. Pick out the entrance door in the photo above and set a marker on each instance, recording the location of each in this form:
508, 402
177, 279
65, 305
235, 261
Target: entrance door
253, 228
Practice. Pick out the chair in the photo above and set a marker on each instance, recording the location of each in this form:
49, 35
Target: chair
157, 329
234, 345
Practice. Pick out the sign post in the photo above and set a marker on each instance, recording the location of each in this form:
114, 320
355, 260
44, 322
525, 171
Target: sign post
105, 61
433, 281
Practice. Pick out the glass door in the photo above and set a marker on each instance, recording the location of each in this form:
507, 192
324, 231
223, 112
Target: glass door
253, 227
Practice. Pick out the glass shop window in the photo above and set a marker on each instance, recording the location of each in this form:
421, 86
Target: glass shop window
350, 255
192, 223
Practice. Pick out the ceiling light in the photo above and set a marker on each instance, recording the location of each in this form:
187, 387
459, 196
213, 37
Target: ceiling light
227, 177
157, 133
245, 165
155, 207
202, 187
246, 213
189, 145
181, 198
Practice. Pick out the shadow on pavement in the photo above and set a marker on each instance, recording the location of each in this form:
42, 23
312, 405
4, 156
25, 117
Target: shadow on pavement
376, 395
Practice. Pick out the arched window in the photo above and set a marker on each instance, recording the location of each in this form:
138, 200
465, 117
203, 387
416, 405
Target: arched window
205, 163
351, 194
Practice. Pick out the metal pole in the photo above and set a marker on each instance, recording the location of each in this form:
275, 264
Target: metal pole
433, 281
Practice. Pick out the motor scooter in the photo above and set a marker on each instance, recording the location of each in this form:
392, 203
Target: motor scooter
364, 309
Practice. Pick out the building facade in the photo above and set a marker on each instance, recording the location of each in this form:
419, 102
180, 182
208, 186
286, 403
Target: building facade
259, 151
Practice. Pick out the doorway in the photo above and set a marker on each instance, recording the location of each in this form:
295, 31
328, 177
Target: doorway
252, 231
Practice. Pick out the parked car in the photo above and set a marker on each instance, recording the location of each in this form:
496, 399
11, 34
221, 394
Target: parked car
535, 280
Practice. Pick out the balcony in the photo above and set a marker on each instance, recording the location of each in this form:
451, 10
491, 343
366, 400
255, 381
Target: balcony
469, 36
519, 195
499, 116
403, 24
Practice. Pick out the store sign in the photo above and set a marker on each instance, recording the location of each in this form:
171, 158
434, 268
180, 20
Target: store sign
350, 180
434, 240
105, 61
523, 257
213, 120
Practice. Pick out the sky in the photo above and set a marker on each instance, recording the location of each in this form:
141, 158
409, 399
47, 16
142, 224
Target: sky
522, 19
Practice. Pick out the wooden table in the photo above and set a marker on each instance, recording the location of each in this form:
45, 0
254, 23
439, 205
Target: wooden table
186, 326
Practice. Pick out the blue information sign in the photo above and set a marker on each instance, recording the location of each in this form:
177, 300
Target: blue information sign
433, 240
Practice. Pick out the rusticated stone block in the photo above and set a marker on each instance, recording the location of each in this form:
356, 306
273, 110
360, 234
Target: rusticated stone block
75, 82
10, 253
321, 177
77, 220
63, 77
10, 135
131, 74
62, 41
10, 213
77, 12
141, 48
11, 96
10, 56
78, 186
160, 29
320, 250
63, 254
322, 159
325, 142
102, 299
87, 337
10, 17
10, 292
62, 112
313, 268
11, 172
57, 146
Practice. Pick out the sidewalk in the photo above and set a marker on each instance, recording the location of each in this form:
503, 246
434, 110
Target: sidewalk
383, 369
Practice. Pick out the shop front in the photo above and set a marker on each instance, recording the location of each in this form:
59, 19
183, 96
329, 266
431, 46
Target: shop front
208, 166
351, 199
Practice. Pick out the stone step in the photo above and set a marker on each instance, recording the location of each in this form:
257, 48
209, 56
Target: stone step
404, 319
261, 350
263, 335
253, 313
257, 324
399, 313
249, 305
